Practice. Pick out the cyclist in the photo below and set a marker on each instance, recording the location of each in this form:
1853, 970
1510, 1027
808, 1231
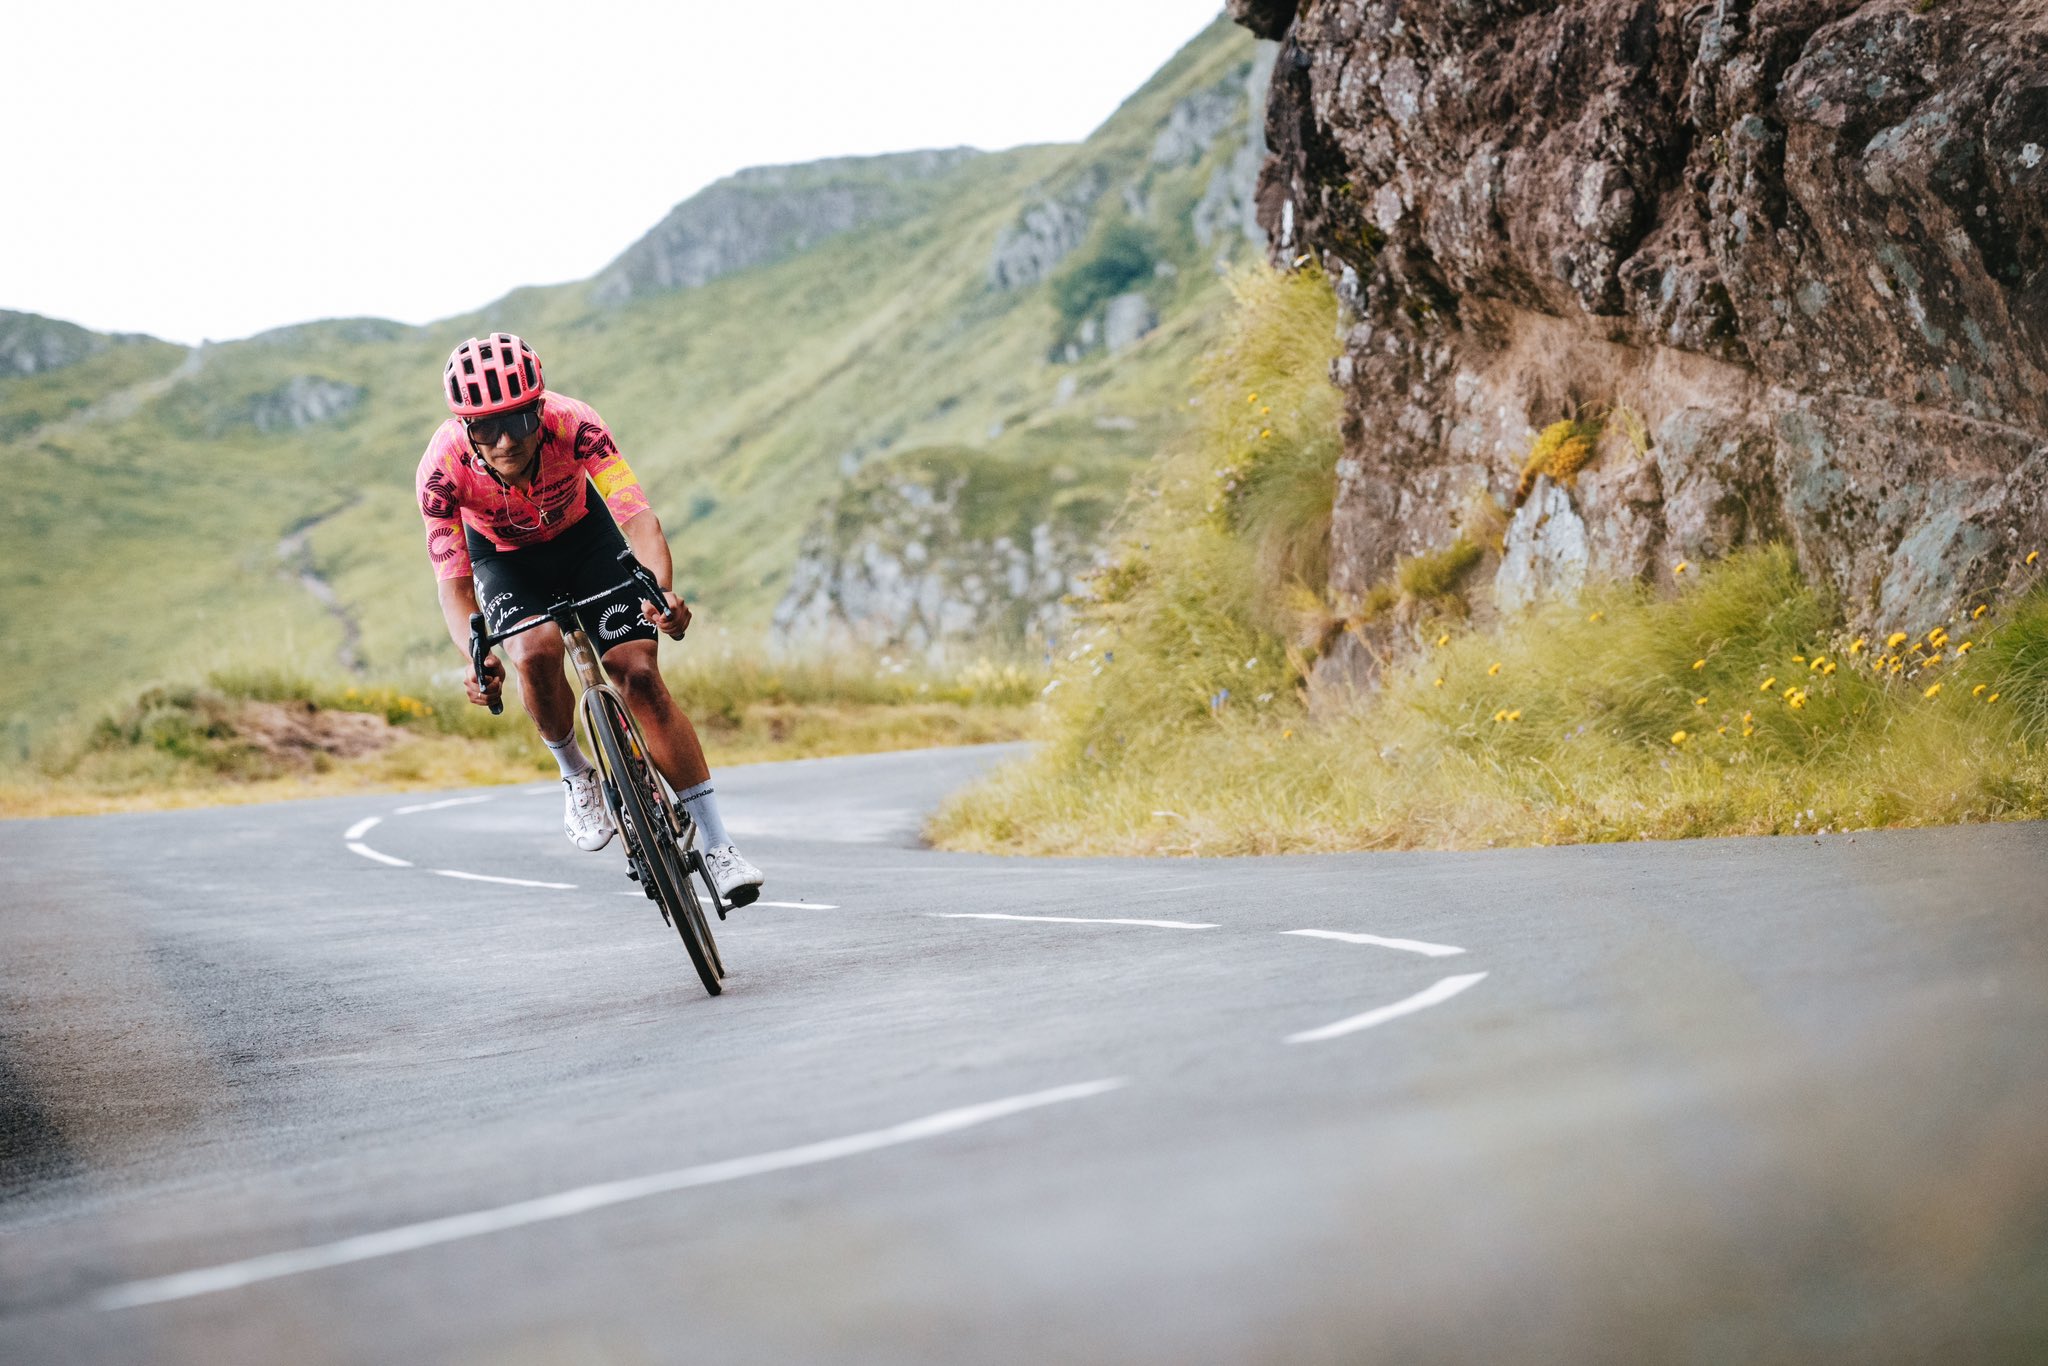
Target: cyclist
526, 498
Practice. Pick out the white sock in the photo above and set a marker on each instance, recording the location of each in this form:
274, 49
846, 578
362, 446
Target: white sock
703, 809
568, 754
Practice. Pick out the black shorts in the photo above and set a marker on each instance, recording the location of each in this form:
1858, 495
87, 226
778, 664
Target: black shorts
512, 585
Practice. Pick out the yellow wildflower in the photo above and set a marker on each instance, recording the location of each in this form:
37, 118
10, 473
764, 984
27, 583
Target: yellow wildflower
1992, 698
1818, 663
1252, 397
1677, 737
1932, 689
1287, 735
1982, 608
1265, 433
1515, 715
1720, 730
1768, 684
1748, 731
1444, 639
1747, 717
1898, 664
1799, 659
1965, 648
1265, 412
1895, 640
1698, 664
1493, 669
1977, 691
1596, 616
2033, 555
1829, 667
1856, 645
1438, 684
1681, 566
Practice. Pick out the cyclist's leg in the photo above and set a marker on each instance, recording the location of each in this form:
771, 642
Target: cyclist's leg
510, 587
671, 739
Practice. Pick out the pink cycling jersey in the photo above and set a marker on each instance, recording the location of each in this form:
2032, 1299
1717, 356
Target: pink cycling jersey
456, 489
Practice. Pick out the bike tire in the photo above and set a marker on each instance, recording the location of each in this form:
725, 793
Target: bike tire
648, 833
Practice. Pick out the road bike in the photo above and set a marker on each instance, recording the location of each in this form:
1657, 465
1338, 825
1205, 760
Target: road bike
660, 838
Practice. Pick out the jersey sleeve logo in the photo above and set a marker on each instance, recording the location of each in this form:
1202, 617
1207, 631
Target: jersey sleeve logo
444, 544
437, 498
593, 442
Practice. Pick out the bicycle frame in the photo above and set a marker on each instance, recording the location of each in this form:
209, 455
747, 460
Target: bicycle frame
597, 691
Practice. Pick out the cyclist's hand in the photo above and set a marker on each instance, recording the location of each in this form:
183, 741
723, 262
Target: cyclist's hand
489, 691
671, 623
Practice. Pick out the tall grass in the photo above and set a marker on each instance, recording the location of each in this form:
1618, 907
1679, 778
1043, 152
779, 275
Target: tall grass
1626, 717
1179, 722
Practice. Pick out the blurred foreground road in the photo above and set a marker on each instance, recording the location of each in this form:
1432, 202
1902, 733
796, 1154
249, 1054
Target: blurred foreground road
268, 1097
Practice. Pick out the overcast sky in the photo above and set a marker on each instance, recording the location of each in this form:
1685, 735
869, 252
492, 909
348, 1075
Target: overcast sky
212, 169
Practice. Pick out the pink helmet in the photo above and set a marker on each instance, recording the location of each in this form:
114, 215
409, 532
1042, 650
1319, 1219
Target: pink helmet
488, 375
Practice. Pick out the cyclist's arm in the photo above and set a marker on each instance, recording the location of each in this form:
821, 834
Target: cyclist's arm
644, 535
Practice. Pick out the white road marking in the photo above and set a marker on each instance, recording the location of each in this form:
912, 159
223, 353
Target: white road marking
1421, 1000
507, 881
360, 828
799, 905
1071, 920
367, 852
1411, 945
363, 1247
440, 805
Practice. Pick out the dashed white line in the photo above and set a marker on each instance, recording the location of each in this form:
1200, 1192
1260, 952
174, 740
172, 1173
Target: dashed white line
1072, 920
582, 1199
1408, 945
799, 905
439, 806
1421, 1000
360, 828
507, 881
367, 852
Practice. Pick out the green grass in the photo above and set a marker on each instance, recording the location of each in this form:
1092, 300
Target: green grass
1582, 724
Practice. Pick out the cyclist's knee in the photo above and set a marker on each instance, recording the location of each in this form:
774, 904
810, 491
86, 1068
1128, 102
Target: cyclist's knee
538, 649
635, 671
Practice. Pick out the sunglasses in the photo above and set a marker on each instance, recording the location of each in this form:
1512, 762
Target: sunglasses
518, 424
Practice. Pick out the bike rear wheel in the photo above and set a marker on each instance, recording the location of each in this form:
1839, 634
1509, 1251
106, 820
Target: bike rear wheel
650, 835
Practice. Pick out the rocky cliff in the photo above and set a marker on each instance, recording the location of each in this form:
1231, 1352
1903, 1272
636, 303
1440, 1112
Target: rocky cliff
1799, 247
944, 548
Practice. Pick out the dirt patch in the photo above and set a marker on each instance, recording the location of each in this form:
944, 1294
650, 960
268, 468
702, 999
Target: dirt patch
292, 733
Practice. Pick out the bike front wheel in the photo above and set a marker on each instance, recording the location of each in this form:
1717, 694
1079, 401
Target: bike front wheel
650, 835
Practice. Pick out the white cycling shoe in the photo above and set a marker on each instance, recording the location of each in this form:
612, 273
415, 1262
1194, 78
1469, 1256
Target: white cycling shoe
588, 824
738, 881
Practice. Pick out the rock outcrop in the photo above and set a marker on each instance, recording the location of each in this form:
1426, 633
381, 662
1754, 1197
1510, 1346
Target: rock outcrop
31, 344
302, 401
1806, 241
944, 548
767, 214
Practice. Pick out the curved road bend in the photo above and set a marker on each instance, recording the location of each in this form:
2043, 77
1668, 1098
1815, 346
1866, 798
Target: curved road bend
291, 1083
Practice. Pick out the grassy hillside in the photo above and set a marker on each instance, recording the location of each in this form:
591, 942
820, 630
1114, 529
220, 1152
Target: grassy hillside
742, 404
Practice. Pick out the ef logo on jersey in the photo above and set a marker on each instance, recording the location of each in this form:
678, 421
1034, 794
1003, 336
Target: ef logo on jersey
606, 630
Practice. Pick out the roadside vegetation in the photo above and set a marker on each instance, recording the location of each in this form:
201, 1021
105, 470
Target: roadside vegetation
245, 736
1183, 721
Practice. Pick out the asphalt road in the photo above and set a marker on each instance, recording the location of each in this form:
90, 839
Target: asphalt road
268, 1097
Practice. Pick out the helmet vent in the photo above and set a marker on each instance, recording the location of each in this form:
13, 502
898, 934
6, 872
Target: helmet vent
491, 379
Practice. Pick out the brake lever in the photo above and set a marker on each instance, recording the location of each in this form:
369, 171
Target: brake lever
477, 651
